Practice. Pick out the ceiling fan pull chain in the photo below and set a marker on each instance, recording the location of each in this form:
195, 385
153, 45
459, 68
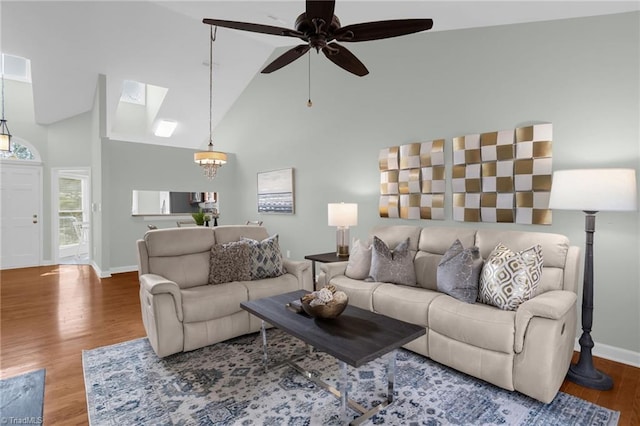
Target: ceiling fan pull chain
309, 103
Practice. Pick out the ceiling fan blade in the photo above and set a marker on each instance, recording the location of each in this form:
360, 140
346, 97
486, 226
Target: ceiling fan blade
382, 29
256, 28
321, 9
341, 56
286, 58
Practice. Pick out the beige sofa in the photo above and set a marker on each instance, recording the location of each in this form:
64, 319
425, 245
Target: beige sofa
528, 350
181, 311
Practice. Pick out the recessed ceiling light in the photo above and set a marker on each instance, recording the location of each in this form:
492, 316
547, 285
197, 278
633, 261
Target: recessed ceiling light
165, 128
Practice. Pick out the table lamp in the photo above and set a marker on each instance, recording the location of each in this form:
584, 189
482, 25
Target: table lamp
591, 190
342, 215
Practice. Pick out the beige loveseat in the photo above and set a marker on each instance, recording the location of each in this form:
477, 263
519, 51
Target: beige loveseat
528, 350
181, 311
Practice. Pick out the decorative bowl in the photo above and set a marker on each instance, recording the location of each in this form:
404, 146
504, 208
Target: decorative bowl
329, 311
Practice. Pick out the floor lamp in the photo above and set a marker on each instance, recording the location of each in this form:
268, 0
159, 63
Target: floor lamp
591, 190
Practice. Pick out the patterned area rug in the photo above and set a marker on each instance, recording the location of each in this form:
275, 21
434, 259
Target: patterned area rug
225, 384
22, 398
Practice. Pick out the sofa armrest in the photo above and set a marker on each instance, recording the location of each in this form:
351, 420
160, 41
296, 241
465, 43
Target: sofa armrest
156, 284
302, 271
333, 269
552, 305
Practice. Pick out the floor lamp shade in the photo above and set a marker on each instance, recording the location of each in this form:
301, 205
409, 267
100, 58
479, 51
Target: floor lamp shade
591, 190
594, 190
342, 215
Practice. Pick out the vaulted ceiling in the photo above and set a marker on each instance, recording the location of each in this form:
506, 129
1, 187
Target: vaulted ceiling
164, 43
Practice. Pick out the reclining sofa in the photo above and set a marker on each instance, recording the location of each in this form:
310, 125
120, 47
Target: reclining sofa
528, 349
181, 310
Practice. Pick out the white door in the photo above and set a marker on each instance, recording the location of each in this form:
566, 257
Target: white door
20, 207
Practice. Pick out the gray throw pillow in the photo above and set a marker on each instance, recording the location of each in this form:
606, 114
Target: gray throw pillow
266, 259
392, 266
229, 262
359, 261
458, 273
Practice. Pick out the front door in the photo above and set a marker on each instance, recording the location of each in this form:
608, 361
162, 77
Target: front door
20, 211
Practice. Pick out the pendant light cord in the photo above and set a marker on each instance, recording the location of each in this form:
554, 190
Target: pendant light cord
212, 39
3, 94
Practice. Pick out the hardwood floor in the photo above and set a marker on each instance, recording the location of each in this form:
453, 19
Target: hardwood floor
50, 314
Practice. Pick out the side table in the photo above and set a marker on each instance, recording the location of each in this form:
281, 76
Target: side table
323, 258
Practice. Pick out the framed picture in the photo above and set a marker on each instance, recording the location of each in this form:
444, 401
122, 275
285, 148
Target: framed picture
275, 191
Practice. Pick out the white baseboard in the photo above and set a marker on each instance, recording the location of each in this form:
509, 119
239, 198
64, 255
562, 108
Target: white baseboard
613, 353
99, 272
121, 269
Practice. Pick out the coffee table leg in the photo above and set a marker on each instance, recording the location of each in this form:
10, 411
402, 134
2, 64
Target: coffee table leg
391, 375
265, 358
344, 399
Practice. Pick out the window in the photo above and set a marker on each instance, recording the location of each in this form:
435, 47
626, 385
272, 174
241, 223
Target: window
16, 68
70, 210
134, 92
18, 152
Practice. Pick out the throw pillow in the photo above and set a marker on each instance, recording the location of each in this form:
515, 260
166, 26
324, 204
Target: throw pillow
359, 261
392, 266
266, 260
229, 262
459, 272
509, 278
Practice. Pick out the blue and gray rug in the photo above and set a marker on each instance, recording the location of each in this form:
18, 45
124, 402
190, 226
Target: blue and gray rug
224, 384
22, 398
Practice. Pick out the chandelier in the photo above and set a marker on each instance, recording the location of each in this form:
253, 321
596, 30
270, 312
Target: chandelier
210, 160
5, 135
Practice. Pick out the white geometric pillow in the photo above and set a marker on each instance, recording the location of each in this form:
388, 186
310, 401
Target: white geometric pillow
509, 278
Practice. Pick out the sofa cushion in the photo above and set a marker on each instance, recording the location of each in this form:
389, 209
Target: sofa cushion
459, 272
271, 286
479, 325
434, 242
509, 278
359, 261
188, 270
360, 292
392, 266
396, 234
209, 302
410, 304
230, 262
266, 258
228, 233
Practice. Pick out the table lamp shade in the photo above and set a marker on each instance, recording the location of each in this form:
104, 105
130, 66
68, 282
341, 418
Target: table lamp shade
594, 190
342, 214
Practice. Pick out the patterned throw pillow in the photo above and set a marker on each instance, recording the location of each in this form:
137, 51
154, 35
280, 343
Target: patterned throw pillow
459, 272
265, 258
392, 266
359, 261
509, 278
229, 262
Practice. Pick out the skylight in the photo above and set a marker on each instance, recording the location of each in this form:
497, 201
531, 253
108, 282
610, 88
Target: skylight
15, 68
165, 128
134, 92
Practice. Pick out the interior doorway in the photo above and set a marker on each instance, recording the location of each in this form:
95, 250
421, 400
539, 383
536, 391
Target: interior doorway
71, 215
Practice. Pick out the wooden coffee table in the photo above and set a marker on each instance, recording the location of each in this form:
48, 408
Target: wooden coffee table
354, 338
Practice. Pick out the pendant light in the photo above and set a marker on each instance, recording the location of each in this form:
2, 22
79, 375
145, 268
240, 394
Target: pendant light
210, 160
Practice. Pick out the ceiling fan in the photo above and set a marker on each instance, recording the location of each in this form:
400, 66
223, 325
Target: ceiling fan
319, 27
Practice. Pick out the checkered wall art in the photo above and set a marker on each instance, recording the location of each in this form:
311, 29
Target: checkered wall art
412, 181
499, 177
533, 170
503, 176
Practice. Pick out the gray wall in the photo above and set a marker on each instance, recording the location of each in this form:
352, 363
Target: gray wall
581, 75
